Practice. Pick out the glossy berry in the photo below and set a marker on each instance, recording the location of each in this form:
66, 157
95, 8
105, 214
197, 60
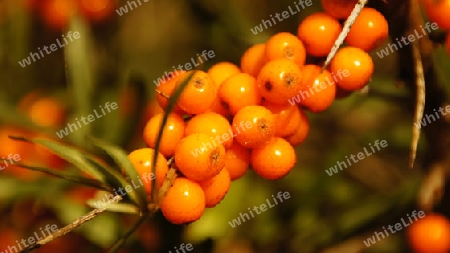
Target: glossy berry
369, 30
438, 11
237, 160
212, 124
254, 59
216, 188
273, 160
142, 161
199, 94
318, 32
184, 202
285, 45
430, 234
339, 9
238, 91
166, 88
320, 88
279, 81
219, 72
354, 62
172, 134
287, 118
253, 126
199, 157
302, 131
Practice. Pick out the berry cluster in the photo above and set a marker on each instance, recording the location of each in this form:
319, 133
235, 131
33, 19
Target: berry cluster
438, 12
231, 118
57, 13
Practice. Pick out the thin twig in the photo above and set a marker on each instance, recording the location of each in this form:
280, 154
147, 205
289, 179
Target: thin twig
116, 247
75, 224
345, 30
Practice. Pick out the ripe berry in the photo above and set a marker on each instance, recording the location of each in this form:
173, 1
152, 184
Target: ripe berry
184, 202
172, 134
320, 88
97, 10
237, 160
238, 91
339, 9
273, 160
287, 118
199, 94
212, 124
56, 13
47, 112
369, 30
438, 11
430, 234
216, 188
167, 88
318, 32
302, 131
254, 59
253, 126
142, 160
199, 157
285, 45
359, 65
279, 80
219, 72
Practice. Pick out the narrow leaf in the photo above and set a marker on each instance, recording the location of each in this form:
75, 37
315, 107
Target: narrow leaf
118, 208
121, 159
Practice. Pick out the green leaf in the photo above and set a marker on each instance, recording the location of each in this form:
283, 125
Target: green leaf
68, 176
171, 105
121, 159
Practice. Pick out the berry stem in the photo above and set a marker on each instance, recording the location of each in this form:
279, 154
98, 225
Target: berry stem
347, 25
69, 228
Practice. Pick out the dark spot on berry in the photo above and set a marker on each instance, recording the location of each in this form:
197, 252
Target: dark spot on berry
268, 86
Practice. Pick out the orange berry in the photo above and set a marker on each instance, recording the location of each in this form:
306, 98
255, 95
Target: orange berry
358, 65
318, 32
238, 91
285, 45
97, 10
287, 118
56, 13
212, 124
216, 188
172, 134
28, 100
430, 234
219, 72
219, 108
253, 59
253, 126
438, 11
167, 87
302, 131
339, 9
273, 160
237, 161
152, 108
320, 89
199, 94
184, 202
199, 157
142, 160
369, 30
447, 43
47, 112
279, 81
